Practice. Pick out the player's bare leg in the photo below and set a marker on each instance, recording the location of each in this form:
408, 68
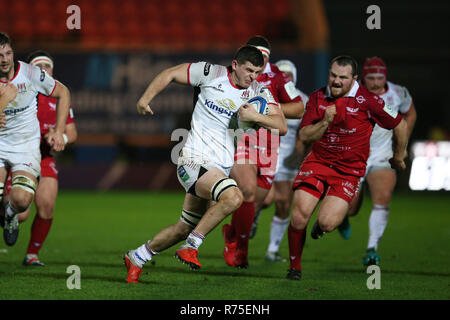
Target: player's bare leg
237, 233
280, 221
22, 193
193, 208
266, 202
345, 228
381, 184
330, 215
45, 199
304, 205
223, 190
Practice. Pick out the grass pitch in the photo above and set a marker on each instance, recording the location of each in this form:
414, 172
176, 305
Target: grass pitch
92, 230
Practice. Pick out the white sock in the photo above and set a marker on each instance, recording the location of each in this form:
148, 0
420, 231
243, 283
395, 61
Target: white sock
10, 210
377, 223
194, 240
277, 230
143, 254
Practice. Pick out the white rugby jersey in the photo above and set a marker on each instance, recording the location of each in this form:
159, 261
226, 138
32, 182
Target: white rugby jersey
22, 126
218, 99
400, 100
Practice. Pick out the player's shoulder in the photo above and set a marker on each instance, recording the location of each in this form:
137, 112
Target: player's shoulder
318, 93
30, 72
397, 89
209, 69
278, 74
364, 96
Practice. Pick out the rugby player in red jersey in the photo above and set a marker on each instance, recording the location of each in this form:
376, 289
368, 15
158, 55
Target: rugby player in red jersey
255, 165
47, 189
339, 120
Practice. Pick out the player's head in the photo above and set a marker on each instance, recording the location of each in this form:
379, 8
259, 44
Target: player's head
342, 76
374, 75
263, 45
6, 54
42, 59
247, 64
288, 68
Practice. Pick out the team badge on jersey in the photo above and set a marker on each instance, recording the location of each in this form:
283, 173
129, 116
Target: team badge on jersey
390, 111
183, 174
21, 87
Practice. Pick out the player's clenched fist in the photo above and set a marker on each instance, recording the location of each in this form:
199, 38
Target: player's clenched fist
144, 107
247, 113
330, 112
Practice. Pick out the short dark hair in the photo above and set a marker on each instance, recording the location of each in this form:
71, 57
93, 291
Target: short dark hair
259, 41
251, 54
345, 61
38, 53
5, 39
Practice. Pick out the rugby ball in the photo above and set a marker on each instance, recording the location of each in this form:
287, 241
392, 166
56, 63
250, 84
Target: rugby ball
260, 105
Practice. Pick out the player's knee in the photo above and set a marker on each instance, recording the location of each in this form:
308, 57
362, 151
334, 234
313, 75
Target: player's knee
326, 224
45, 208
232, 199
21, 201
299, 219
22, 192
248, 191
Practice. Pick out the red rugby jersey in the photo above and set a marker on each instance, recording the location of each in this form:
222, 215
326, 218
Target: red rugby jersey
47, 118
345, 144
282, 89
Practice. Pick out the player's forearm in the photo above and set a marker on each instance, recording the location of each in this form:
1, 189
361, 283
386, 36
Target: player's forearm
176, 74
273, 122
400, 140
293, 110
62, 107
410, 118
313, 132
71, 133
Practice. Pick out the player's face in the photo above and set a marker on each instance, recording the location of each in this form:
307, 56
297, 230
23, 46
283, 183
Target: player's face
47, 67
375, 82
244, 74
6, 59
340, 80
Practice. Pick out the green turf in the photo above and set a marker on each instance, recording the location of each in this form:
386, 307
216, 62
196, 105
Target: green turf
92, 230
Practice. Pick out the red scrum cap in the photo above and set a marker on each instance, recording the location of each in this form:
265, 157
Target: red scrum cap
374, 65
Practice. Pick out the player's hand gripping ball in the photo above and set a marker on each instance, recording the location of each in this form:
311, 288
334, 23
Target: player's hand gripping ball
260, 105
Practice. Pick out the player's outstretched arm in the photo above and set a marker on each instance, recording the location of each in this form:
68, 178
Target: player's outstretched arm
62, 95
313, 132
178, 74
400, 144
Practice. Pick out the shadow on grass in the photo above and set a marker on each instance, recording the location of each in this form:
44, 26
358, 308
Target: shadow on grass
409, 272
83, 277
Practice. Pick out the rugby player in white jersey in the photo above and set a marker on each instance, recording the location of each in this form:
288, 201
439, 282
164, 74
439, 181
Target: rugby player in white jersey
380, 177
206, 159
291, 151
20, 137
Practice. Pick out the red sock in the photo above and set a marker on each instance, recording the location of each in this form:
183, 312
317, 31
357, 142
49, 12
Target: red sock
39, 231
242, 221
297, 240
